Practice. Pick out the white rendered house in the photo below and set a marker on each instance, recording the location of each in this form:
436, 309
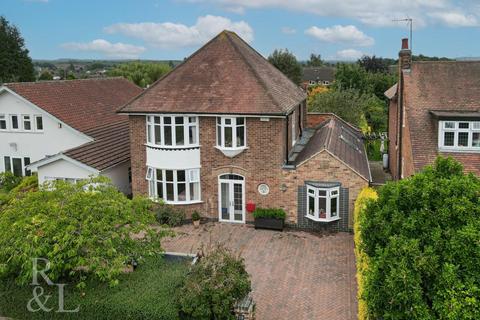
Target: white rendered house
66, 130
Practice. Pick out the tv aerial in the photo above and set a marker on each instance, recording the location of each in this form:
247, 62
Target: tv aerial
409, 22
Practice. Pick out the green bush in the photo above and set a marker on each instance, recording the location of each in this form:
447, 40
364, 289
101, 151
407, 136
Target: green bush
422, 239
269, 213
18, 189
168, 214
213, 285
195, 216
8, 181
85, 230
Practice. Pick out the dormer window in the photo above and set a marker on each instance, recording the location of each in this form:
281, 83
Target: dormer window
172, 131
231, 135
459, 136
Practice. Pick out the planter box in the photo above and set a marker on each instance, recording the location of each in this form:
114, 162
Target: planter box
269, 223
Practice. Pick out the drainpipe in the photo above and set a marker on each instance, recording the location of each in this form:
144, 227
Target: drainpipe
286, 140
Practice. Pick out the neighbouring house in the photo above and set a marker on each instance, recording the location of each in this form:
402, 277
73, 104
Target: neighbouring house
66, 130
434, 110
225, 130
318, 76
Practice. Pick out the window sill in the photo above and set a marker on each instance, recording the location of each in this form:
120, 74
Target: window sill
176, 203
154, 146
459, 150
322, 220
231, 152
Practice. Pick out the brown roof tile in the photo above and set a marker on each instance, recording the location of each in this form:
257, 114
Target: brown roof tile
448, 86
224, 76
111, 146
341, 140
83, 104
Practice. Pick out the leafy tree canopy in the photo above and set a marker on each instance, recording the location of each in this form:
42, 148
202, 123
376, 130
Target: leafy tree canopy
45, 75
286, 62
15, 63
142, 74
422, 240
85, 230
375, 64
315, 60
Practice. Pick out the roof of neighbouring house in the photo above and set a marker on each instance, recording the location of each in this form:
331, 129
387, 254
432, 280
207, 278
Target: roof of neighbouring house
225, 76
110, 148
339, 139
82, 104
318, 73
448, 88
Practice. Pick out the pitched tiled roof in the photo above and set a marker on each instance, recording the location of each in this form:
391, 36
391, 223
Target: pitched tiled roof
111, 146
318, 73
448, 86
225, 76
83, 104
339, 139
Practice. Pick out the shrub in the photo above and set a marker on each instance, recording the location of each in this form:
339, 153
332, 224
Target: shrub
213, 286
168, 214
84, 230
195, 216
8, 181
269, 213
367, 194
421, 238
24, 185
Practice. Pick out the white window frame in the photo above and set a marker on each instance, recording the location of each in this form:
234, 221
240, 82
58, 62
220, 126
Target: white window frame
29, 120
330, 193
233, 124
4, 118
192, 176
22, 160
473, 127
188, 122
19, 122
294, 129
35, 117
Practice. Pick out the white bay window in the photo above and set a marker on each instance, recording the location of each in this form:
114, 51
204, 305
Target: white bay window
323, 204
174, 186
172, 131
459, 135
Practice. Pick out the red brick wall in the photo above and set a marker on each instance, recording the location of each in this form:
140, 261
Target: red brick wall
138, 154
392, 136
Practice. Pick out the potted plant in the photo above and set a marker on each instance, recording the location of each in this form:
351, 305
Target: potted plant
269, 218
196, 219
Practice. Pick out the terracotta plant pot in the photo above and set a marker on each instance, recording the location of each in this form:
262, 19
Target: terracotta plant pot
196, 223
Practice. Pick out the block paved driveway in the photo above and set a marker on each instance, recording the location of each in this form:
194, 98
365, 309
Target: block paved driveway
295, 275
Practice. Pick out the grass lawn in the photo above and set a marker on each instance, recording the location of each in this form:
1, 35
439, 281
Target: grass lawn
147, 293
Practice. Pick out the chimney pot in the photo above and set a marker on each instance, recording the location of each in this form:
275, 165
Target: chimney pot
405, 44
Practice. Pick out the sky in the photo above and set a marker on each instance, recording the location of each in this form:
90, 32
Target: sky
174, 29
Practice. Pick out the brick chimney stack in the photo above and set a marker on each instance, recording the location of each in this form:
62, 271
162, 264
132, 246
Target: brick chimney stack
405, 56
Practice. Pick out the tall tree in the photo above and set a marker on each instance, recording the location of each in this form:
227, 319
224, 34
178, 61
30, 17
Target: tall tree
45, 75
315, 60
286, 62
375, 64
15, 64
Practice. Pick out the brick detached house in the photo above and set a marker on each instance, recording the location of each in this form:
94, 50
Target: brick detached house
66, 130
225, 129
434, 110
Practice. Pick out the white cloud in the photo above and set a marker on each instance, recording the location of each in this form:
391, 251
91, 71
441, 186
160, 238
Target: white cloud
456, 19
175, 35
113, 50
341, 34
348, 54
370, 12
288, 30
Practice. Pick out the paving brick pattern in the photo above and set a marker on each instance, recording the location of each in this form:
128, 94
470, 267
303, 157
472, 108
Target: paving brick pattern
295, 274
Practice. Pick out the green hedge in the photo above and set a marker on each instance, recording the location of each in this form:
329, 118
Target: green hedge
422, 241
147, 293
269, 213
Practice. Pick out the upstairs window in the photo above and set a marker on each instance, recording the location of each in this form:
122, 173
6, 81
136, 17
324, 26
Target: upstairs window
172, 131
3, 122
14, 121
323, 204
231, 133
27, 123
459, 135
38, 123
